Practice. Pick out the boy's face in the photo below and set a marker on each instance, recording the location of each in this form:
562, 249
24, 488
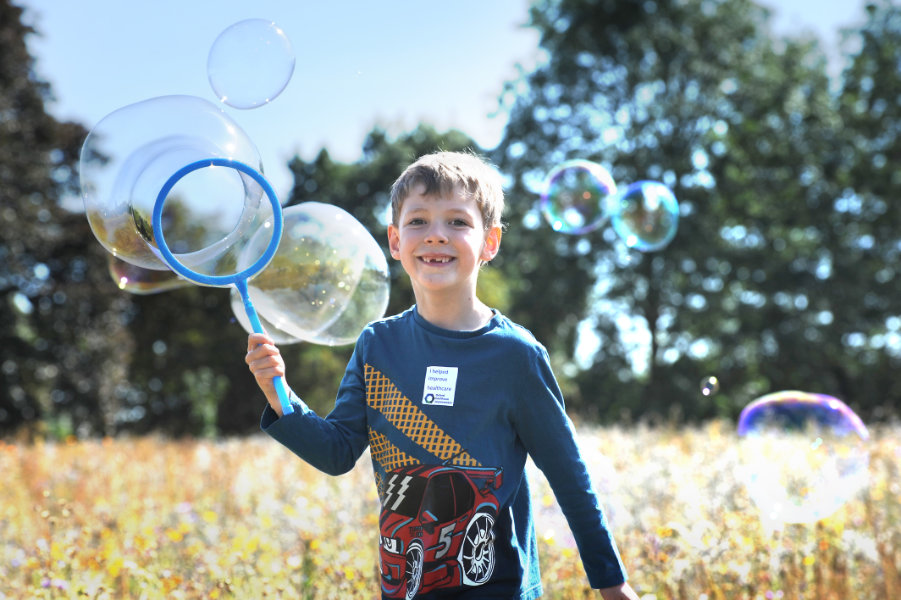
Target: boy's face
441, 241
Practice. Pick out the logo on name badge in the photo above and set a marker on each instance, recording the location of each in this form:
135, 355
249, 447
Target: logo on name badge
440, 386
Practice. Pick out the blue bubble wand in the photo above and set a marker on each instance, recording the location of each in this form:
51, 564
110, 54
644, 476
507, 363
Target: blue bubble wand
239, 279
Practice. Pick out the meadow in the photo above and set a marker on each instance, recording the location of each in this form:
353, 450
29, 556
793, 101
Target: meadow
242, 518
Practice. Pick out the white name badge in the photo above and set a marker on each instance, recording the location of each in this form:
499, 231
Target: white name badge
440, 386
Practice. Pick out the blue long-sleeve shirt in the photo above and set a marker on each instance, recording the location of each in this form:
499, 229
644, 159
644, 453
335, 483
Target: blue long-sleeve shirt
450, 417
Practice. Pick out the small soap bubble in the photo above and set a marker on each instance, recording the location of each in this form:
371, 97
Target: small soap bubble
803, 455
250, 63
710, 386
645, 216
575, 196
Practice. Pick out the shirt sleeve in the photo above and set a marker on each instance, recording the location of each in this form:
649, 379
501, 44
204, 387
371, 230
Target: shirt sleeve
550, 439
331, 444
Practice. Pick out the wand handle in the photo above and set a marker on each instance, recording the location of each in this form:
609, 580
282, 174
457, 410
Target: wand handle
277, 381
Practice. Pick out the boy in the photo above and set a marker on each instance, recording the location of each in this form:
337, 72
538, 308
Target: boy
450, 396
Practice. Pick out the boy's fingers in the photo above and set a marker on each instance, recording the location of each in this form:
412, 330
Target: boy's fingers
261, 358
257, 339
265, 370
257, 353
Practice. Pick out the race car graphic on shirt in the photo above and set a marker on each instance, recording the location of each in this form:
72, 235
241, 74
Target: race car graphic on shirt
437, 528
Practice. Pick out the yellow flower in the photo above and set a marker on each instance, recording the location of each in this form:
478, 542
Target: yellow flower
175, 535
115, 567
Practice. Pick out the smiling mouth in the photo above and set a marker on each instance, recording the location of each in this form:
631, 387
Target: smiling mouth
436, 260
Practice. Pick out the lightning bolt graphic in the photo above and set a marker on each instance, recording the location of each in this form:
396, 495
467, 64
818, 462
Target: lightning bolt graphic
402, 492
390, 489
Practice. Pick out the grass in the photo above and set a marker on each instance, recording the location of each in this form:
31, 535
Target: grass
242, 518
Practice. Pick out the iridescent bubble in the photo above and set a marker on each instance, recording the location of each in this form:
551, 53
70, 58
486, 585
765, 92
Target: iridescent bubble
141, 281
327, 280
710, 386
645, 215
575, 196
803, 455
131, 153
250, 63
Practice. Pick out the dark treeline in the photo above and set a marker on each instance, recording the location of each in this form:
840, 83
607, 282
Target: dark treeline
783, 274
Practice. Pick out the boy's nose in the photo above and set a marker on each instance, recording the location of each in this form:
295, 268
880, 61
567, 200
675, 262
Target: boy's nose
436, 236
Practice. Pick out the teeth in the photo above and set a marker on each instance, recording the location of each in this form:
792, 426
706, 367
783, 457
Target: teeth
438, 260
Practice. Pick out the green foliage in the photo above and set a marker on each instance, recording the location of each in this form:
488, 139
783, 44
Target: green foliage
782, 275
774, 281
63, 343
205, 388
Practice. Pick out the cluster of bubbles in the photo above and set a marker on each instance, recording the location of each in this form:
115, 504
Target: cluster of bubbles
803, 455
580, 196
328, 277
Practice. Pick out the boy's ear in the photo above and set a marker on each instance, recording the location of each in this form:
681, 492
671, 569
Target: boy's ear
393, 242
492, 244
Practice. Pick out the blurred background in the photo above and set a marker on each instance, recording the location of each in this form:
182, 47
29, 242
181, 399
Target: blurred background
779, 138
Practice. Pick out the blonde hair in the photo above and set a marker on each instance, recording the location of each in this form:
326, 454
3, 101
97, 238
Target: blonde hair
446, 172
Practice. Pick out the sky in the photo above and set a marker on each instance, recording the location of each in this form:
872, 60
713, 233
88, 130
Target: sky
359, 64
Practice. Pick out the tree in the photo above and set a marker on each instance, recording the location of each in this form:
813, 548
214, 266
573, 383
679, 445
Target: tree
742, 127
866, 220
61, 345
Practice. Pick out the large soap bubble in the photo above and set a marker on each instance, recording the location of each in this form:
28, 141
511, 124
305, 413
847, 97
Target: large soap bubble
327, 280
250, 63
804, 455
129, 156
575, 196
367, 302
645, 215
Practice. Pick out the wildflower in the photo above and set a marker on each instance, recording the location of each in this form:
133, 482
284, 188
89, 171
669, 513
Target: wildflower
664, 532
175, 535
115, 567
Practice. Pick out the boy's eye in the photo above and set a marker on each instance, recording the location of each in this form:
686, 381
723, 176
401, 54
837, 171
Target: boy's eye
416, 221
460, 223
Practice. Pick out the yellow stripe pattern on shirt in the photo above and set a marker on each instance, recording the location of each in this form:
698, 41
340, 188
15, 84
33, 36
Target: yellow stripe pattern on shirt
384, 397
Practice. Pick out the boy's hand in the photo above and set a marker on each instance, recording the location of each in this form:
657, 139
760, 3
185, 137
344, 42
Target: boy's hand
265, 362
619, 592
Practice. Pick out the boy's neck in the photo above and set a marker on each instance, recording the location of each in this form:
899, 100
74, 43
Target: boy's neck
454, 315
